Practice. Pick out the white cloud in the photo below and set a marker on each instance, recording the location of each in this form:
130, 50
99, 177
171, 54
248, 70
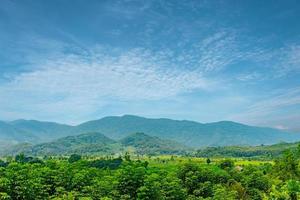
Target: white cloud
83, 83
290, 59
271, 109
279, 62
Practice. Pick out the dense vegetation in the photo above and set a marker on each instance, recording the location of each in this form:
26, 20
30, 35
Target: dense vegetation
98, 144
262, 151
148, 178
145, 145
189, 133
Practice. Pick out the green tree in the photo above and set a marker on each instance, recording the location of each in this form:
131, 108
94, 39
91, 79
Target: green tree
131, 177
151, 190
293, 188
208, 161
287, 166
74, 158
222, 193
226, 164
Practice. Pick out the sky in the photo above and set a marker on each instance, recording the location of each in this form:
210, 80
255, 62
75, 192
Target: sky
71, 61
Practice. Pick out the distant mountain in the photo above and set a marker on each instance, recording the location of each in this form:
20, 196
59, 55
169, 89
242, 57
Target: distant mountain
31, 131
10, 134
145, 144
97, 143
189, 133
44, 131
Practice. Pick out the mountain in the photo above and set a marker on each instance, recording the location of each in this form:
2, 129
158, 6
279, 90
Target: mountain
44, 131
10, 134
97, 143
145, 144
189, 133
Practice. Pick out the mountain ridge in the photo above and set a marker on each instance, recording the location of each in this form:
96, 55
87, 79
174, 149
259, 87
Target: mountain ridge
189, 133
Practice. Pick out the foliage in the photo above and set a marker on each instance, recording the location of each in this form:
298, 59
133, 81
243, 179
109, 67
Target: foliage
74, 158
261, 151
98, 144
158, 178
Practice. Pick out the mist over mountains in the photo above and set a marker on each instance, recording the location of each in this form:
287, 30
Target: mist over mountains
188, 133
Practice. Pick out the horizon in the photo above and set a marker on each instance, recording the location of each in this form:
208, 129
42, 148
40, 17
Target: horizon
191, 60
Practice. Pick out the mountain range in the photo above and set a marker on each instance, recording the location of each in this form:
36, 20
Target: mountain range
188, 133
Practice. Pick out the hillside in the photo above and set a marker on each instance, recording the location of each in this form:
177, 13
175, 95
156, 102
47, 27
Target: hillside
44, 131
145, 144
10, 134
87, 143
31, 131
268, 151
189, 133
97, 143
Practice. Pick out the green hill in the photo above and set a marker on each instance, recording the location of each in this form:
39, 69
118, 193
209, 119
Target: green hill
88, 143
97, 143
268, 151
145, 144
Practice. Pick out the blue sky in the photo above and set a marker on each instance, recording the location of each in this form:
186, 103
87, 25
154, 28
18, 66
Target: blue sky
72, 61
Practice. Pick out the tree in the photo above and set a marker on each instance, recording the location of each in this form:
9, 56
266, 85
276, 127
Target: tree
208, 161
131, 177
204, 190
74, 158
172, 189
293, 189
287, 166
127, 157
20, 158
151, 190
221, 193
227, 164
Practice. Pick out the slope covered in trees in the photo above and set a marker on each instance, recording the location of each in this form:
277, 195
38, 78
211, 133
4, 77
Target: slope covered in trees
97, 143
263, 151
145, 144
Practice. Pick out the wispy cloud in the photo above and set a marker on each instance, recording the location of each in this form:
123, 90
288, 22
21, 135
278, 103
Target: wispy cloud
274, 108
74, 83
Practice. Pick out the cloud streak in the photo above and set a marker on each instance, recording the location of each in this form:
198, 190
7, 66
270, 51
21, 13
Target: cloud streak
82, 83
276, 109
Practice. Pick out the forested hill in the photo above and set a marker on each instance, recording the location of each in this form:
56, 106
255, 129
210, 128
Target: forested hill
144, 144
98, 144
268, 151
189, 133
